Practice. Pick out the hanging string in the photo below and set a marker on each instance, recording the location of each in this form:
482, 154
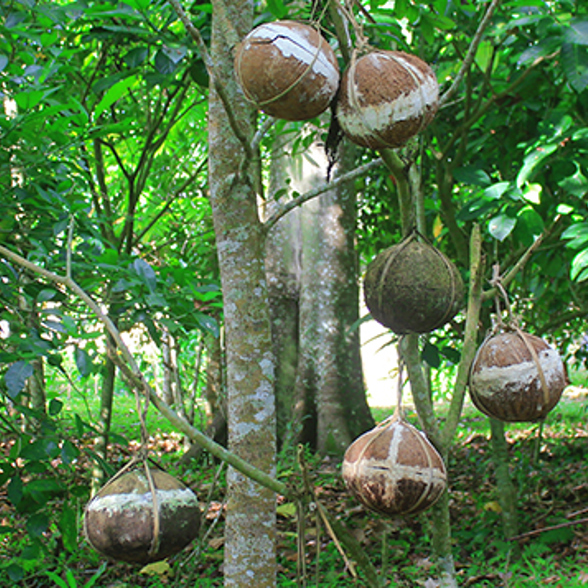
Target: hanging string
398, 412
512, 324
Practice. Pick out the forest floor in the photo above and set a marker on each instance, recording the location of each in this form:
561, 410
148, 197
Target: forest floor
549, 468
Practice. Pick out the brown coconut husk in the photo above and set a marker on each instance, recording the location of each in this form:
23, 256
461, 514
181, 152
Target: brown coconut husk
516, 377
386, 97
413, 287
394, 469
278, 81
127, 522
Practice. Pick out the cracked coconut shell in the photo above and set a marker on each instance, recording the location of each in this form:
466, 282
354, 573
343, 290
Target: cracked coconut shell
508, 383
412, 287
386, 98
119, 520
287, 69
394, 469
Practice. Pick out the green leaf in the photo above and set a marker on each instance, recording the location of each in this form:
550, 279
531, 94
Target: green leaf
277, 8
16, 376
532, 161
3, 62
15, 572
113, 94
37, 524
496, 190
430, 354
136, 56
83, 362
579, 264
55, 406
69, 452
472, 175
574, 61
68, 527
145, 273
163, 64
501, 226
484, 55
208, 323
15, 490
577, 235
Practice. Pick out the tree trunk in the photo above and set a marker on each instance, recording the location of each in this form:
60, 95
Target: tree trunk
507, 495
312, 271
106, 401
250, 529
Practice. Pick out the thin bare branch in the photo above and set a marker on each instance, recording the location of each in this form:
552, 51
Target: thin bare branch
220, 89
471, 54
302, 198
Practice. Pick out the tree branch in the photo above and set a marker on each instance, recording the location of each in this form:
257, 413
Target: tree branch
470, 337
126, 362
302, 198
220, 89
471, 54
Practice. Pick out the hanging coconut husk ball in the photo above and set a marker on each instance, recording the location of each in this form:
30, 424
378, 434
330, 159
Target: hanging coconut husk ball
412, 287
287, 69
394, 469
516, 377
119, 521
386, 98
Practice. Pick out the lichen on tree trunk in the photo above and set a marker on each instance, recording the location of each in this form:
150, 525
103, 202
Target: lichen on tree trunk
250, 536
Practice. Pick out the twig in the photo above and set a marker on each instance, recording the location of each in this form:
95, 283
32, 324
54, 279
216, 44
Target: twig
552, 528
471, 54
518, 266
302, 198
220, 89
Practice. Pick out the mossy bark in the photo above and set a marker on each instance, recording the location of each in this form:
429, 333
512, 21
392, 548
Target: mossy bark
250, 531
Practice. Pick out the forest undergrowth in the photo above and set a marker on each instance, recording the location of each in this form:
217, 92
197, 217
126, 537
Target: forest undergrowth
548, 466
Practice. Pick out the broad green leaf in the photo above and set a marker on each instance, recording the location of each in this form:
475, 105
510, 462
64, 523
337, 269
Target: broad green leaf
472, 175
163, 64
579, 265
55, 406
16, 376
577, 32
15, 572
501, 226
3, 62
69, 452
430, 354
532, 161
496, 190
68, 527
277, 8
484, 55
136, 56
532, 193
83, 362
208, 323
115, 93
37, 524
14, 490
287, 510
145, 273
577, 235
175, 54
574, 61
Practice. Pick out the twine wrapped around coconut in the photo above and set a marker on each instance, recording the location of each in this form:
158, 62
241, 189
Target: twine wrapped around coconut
413, 287
287, 69
394, 469
515, 376
141, 516
386, 98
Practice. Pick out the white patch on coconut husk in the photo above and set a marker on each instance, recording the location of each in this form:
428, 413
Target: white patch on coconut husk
491, 380
114, 503
294, 42
377, 118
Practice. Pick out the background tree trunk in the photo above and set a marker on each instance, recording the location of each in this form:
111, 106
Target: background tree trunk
313, 276
250, 533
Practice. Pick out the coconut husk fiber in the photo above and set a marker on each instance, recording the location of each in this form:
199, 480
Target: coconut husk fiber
412, 287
